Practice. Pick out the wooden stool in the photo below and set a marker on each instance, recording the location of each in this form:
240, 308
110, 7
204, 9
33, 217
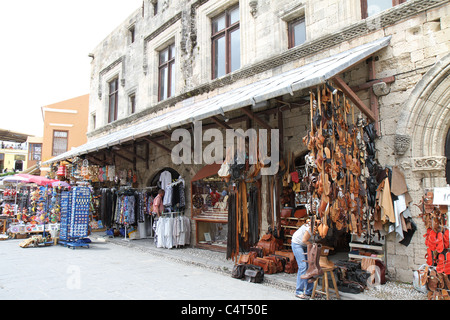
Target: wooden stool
325, 288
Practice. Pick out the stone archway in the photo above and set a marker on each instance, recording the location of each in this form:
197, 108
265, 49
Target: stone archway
424, 123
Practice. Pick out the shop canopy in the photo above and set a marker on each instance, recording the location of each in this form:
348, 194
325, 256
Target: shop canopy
11, 136
310, 75
42, 181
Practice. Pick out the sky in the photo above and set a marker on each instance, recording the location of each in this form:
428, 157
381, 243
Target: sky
44, 47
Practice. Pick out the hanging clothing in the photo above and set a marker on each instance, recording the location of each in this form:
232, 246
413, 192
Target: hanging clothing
172, 232
167, 201
165, 179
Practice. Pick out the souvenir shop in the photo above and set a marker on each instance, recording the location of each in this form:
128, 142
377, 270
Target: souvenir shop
333, 179
122, 209
31, 207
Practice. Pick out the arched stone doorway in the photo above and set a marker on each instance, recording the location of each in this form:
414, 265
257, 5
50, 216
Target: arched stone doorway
154, 181
423, 126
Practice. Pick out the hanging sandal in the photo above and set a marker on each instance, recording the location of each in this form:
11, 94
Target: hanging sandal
429, 257
432, 240
440, 263
440, 242
446, 239
447, 264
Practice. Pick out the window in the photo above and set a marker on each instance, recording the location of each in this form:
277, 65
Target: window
166, 73
132, 34
93, 121
113, 100
226, 43
155, 7
372, 7
60, 139
35, 151
297, 32
132, 101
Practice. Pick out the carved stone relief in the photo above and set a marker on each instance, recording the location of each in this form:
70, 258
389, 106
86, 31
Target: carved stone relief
401, 144
432, 163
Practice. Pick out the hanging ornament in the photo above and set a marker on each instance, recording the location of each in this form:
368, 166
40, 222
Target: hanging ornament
84, 168
61, 171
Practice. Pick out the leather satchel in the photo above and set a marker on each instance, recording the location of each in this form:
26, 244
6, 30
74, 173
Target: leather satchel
259, 251
247, 258
267, 265
238, 271
269, 244
254, 274
280, 261
291, 265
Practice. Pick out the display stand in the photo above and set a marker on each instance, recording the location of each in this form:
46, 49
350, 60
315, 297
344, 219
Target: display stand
75, 217
360, 250
209, 215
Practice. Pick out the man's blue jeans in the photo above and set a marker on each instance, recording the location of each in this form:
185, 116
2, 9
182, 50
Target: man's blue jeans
302, 284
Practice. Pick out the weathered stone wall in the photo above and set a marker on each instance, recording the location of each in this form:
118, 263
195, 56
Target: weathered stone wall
420, 39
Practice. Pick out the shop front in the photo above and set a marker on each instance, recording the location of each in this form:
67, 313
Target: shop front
328, 170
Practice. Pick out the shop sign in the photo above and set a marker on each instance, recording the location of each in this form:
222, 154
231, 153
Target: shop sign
441, 196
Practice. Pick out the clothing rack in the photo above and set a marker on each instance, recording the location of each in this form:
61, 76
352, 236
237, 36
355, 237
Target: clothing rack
172, 230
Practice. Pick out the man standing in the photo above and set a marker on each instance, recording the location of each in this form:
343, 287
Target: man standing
158, 206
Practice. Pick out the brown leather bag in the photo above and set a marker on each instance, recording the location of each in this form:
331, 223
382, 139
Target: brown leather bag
268, 266
269, 244
259, 251
277, 262
291, 265
247, 258
280, 261
285, 213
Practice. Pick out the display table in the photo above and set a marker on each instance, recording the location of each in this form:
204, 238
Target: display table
3, 224
203, 228
18, 228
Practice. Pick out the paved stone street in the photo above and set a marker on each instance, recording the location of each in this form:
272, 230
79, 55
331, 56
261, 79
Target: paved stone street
109, 271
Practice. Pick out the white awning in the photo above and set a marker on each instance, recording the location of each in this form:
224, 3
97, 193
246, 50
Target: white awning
309, 75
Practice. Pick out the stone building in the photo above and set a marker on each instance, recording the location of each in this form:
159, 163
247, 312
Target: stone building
160, 68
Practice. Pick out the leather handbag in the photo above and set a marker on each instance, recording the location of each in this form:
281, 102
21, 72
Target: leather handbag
267, 265
247, 258
254, 274
258, 250
238, 271
300, 213
277, 261
280, 261
269, 244
285, 213
291, 265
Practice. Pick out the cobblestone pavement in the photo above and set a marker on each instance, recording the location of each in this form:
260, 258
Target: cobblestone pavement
135, 269
109, 271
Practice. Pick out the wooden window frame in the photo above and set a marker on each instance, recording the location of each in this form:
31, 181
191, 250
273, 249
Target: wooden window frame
53, 142
291, 33
364, 7
163, 65
226, 32
112, 116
